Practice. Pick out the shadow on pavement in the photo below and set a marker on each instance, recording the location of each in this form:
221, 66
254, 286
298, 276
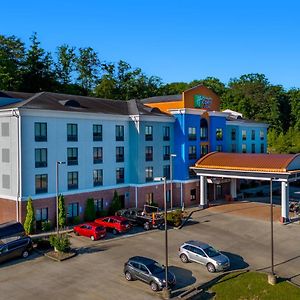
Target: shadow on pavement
15, 261
94, 249
236, 261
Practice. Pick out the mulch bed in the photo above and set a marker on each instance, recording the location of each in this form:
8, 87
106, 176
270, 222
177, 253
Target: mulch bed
60, 256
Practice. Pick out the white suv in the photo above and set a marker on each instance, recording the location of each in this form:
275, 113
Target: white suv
204, 254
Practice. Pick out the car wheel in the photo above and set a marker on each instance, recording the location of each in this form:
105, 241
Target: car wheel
25, 254
115, 231
128, 276
210, 268
92, 238
184, 258
147, 226
154, 286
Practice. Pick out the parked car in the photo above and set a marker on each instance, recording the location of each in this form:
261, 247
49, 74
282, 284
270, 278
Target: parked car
204, 254
90, 229
148, 271
13, 241
116, 224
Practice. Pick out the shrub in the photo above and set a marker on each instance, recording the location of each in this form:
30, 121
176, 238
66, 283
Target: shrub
29, 220
90, 212
175, 217
115, 204
76, 220
61, 242
46, 226
61, 211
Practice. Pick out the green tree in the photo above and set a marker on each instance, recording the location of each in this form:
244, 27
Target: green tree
30, 219
61, 211
212, 83
90, 212
115, 204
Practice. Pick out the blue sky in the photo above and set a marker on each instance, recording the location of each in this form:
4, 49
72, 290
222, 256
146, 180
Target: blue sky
175, 40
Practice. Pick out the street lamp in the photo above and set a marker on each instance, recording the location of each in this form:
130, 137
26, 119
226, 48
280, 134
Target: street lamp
57, 164
171, 179
166, 290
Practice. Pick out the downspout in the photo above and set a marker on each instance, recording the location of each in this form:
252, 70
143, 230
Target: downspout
136, 201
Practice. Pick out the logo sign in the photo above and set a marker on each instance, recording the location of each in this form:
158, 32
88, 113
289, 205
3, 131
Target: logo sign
201, 101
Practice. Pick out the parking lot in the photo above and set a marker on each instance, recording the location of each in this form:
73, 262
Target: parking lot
96, 272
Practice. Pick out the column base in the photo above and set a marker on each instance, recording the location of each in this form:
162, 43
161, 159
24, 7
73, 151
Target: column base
203, 206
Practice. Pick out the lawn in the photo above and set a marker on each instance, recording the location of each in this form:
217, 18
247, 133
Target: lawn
252, 286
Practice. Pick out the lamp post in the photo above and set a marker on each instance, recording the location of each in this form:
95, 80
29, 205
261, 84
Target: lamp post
57, 164
166, 290
171, 178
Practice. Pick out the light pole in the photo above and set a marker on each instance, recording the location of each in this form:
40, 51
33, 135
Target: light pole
171, 179
57, 164
166, 290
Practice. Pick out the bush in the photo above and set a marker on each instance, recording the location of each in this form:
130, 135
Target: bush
61, 211
29, 221
115, 204
76, 220
175, 217
89, 213
61, 242
46, 226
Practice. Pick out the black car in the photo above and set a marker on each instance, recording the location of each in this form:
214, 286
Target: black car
149, 271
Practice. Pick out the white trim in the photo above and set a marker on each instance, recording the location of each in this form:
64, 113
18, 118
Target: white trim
190, 111
218, 114
6, 197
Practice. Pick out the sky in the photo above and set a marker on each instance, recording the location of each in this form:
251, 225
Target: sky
175, 40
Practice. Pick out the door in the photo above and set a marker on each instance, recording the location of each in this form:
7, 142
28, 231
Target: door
201, 257
122, 200
144, 274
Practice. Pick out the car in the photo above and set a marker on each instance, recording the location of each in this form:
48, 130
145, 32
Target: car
204, 254
148, 271
90, 229
116, 224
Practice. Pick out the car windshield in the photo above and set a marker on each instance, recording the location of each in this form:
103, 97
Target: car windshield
211, 252
155, 268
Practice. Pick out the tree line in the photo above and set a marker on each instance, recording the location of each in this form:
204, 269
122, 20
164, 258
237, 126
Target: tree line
80, 71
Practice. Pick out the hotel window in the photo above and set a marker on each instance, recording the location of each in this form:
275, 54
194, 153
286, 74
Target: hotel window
41, 215
149, 153
98, 177
262, 148
40, 132
192, 133
149, 174
166, 171
193, 195
148, 133
244, 148
166, 153
119, 133
252, 148
166, 133
98, 155
219, 134
73, 210
203, 129
119, 154
97, 133
233, 134
72, 156
252, 135
120, 175
219, 148
192, 152
98, 203
41, 183
244, 136
168, 196
72, 180
72, 133
233, 148
262, 134
204, 150
41, 158
149, 198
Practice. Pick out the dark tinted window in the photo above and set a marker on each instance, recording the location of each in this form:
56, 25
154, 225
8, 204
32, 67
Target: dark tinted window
143, 269
133, 264
155, 268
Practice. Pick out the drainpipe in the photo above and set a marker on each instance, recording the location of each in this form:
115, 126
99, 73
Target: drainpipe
136, 194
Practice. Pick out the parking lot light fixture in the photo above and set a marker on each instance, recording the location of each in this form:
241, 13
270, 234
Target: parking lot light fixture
57, 190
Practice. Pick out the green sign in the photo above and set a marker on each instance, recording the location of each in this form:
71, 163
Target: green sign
201, 101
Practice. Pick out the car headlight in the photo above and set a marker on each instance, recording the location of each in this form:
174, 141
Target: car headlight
219, 264
164, 280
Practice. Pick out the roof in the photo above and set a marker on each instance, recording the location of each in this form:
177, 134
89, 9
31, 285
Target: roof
250, 162
197, 244
142, 259
75, 103
168, 98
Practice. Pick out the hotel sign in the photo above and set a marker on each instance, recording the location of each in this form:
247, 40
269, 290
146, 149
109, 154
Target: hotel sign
201, 101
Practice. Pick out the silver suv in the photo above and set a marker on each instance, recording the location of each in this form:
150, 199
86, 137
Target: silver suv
204, 254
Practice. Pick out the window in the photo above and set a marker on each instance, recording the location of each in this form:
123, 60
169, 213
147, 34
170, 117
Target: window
204, 150
149, 198
192, 133
192, 152
219, 148
72, 156
41, 183
119, 133
166, 171
97, 133
41, 214
148, 133
149, 153
40, 132
193, 195
98, 155
262, 134
98, 203
72, 133
119, 154
233, 134
252, 135
168, 196
244, 135
5, 155
72, 180
166, 133
253, 148
203, 129
262, 148
41, 158
73, 210
120, 175
219, 134
166, 153
98, 177
5, 181
233, 148
149, 174
244, 148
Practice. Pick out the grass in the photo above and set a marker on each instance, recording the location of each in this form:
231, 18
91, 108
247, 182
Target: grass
253, 286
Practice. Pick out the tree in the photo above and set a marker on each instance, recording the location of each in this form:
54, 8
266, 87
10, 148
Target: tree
30, 219
61, 211
90, 212
115, 204
212, 83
